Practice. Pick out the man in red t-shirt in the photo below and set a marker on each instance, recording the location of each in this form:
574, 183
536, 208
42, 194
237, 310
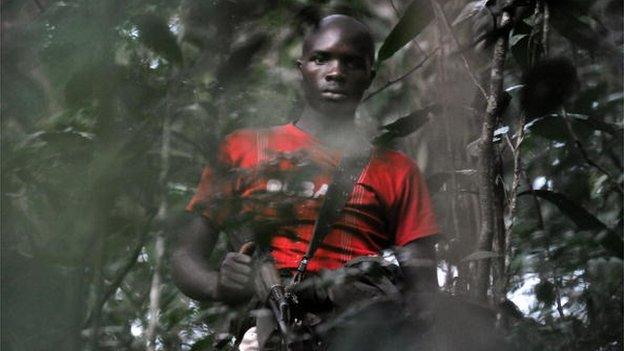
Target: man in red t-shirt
292, 163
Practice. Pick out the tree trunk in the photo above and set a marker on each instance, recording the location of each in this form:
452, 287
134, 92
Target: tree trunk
98, 282
159, 245
500, 238
154, 296
487, 176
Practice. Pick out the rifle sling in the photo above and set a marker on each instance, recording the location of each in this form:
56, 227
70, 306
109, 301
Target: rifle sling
344, 179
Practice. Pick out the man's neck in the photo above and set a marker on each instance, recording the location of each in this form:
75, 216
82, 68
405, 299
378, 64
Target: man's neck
334, 130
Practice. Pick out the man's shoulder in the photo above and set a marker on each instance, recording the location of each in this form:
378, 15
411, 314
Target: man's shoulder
243, 147
392, 169
395, 160
252, 134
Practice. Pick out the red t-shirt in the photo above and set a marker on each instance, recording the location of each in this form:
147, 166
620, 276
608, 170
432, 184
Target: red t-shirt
282, 174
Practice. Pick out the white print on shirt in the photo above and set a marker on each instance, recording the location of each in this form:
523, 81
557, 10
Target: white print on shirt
322, 191
306, 188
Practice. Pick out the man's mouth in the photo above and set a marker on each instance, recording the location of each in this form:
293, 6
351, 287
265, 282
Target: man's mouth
334, 94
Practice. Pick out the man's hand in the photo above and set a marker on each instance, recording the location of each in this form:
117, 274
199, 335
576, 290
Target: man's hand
235, 277
191, 272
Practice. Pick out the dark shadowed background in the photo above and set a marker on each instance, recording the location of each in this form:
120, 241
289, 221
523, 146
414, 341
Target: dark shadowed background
111, 108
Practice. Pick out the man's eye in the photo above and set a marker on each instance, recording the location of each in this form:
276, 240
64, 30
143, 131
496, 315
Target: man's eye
355, 63
319, 59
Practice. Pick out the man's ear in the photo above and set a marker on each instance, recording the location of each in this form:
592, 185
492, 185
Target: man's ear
299, 64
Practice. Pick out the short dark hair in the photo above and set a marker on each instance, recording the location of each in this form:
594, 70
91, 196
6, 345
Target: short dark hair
365, 36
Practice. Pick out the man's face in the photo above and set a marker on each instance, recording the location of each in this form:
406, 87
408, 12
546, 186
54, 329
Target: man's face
336, 70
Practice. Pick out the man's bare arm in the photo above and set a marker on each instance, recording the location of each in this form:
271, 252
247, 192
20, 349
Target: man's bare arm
189, 261
191, 271
418, 262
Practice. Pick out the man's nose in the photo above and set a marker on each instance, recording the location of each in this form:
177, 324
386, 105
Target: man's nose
335, 72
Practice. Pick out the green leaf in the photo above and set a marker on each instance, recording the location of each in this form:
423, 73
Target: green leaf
548, 84
553, 127
155, 34
610, 240
241, 57
596, 124
93, 81
417, 16
516, 38
67, 136
481, 255
579, 215
519, 44
470, 10
408, 124
545, 292
405, 125
204, 344
574, 26
71, 145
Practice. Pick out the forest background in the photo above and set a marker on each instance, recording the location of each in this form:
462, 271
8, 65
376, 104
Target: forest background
110, 109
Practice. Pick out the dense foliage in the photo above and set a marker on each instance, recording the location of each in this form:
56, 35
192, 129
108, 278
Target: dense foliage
111, 108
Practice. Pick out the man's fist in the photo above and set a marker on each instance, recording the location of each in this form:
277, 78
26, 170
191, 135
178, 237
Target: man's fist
235, 277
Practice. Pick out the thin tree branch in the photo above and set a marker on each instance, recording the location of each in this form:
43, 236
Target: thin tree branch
555, 277
419, 48
396, 11
498, 271
538, 209
545, 28
98, 278
188, 141
486, 170
515, 185
513, 200
614, 158
442, 93
558, 282
583, 153
136, 305
159, 245
394, 81
532, 49
123, 272
442, 15
155, 293
538, 206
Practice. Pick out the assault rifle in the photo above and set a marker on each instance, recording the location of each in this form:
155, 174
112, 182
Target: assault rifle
270, 290
281, 303
268, 284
